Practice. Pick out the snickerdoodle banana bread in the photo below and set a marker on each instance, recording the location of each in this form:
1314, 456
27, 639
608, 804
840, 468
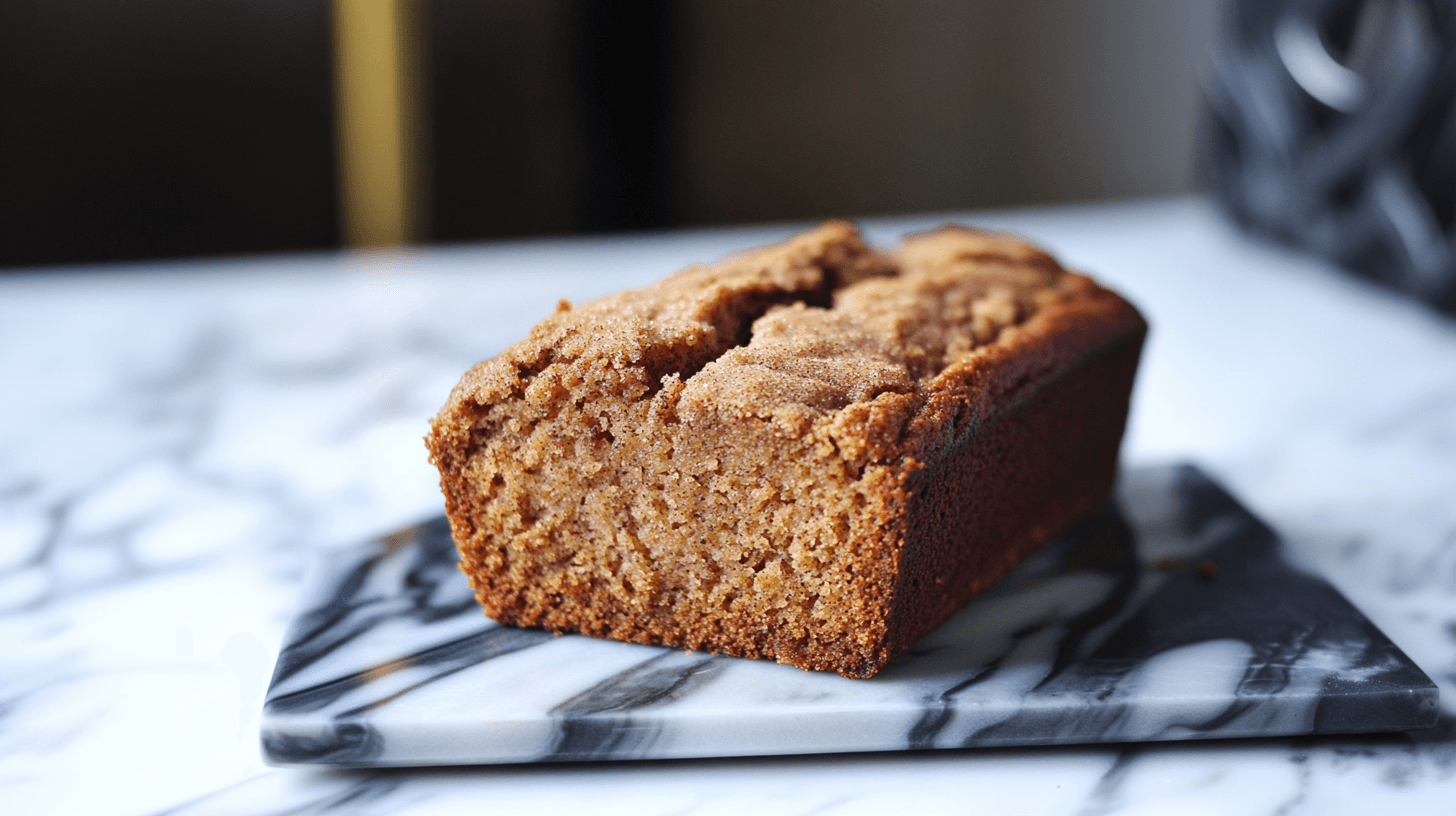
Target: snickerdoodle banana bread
812, 452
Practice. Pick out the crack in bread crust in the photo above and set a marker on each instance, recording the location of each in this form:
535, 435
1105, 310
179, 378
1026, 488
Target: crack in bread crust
749, 458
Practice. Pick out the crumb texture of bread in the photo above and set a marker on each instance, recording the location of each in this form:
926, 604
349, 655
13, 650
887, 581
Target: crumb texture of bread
814, 452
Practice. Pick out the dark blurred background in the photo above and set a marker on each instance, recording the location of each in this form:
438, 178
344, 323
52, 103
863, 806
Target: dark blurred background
164, 128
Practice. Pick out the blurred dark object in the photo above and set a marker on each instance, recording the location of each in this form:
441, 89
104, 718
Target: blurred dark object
502, 142
155, 128
624, 64
551, 116
1335, 131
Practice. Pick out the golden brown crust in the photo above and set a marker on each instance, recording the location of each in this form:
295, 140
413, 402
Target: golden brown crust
763, 457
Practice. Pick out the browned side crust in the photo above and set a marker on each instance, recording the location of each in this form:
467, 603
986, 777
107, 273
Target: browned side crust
1052, 456
813, 453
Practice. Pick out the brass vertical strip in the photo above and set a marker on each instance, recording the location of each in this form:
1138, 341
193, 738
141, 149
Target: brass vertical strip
377, 89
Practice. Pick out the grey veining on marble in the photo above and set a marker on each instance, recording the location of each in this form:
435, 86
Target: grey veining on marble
178, 439
1173, 618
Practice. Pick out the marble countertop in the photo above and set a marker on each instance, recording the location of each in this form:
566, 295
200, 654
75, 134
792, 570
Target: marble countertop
178, 439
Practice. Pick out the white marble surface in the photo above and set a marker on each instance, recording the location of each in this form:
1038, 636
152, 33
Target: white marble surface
176, 439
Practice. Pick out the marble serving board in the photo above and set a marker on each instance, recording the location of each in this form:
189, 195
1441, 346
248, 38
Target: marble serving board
1173, 615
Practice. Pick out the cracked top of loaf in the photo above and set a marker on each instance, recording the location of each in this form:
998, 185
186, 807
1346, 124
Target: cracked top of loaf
801, 331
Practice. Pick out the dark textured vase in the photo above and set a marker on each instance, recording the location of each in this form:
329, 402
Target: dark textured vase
1334, 130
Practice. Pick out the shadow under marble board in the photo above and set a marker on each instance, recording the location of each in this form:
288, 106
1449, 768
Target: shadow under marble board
1173, 615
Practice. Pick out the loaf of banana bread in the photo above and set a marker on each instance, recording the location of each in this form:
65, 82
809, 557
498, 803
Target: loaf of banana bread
813, 452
